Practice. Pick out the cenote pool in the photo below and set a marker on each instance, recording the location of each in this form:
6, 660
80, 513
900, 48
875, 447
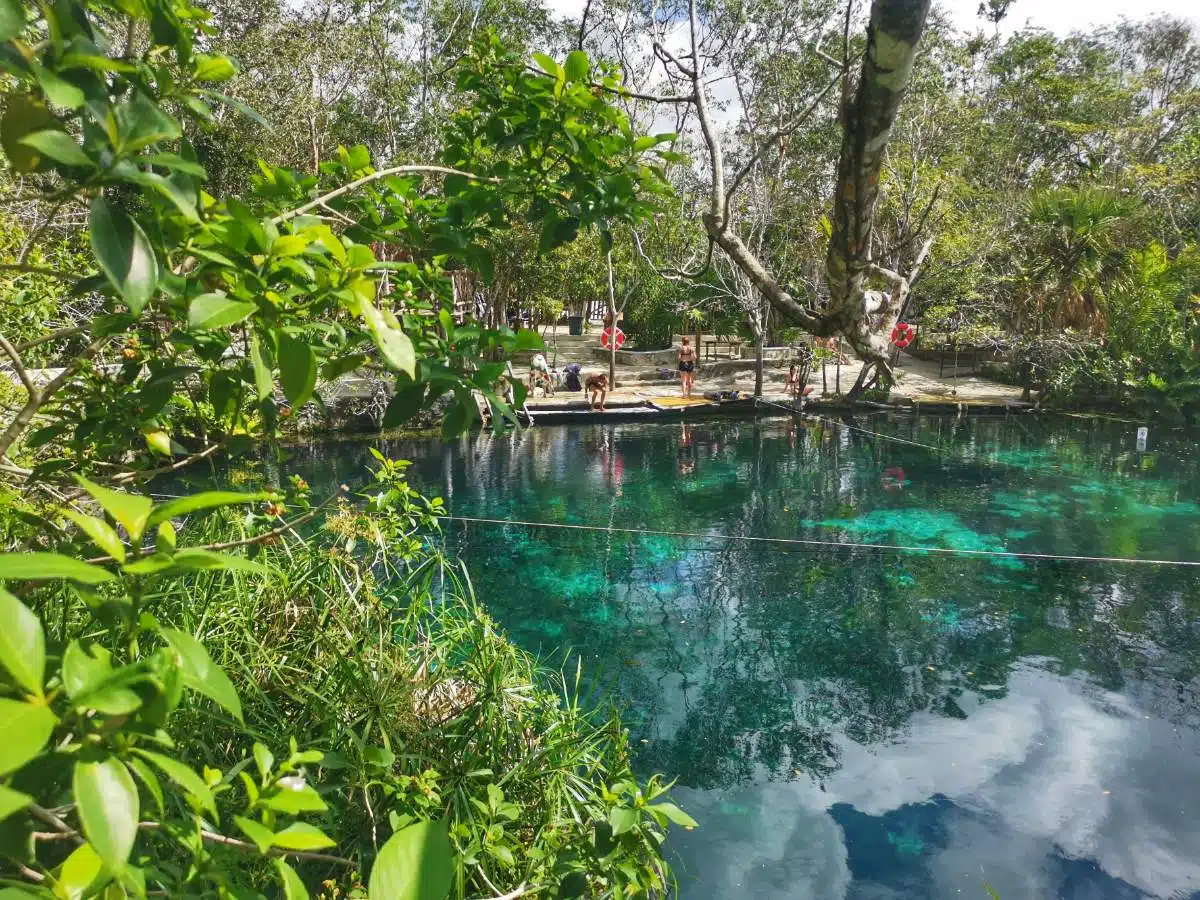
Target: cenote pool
866, 723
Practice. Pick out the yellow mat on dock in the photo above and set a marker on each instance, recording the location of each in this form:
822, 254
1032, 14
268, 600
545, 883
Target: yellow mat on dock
676, 402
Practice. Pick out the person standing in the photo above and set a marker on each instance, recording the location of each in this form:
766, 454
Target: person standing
687, 367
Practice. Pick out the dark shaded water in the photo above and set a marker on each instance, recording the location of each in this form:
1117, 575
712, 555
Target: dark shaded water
868, 723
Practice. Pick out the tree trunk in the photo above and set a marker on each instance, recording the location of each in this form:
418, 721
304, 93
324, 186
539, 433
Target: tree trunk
758, 363
612, 314
867, 119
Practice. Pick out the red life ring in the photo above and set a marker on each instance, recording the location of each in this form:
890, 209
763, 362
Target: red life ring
894, 479
606, 338
903, 334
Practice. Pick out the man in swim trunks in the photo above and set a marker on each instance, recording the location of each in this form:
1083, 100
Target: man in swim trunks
687, 367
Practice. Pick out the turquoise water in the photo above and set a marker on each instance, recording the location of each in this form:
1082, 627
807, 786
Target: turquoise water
867, 723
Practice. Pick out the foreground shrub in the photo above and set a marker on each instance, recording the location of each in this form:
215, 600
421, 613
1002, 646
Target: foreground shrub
183, 718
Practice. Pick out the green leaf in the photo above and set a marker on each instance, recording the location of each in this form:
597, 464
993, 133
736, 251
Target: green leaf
297, 369
183, 506
213, 68
12, 19
158, 441
102, 534
414, 864
622, 819
184, 777
264, 759
183, 197
294, 801
25, 114
262, 372
394, 344
78, 871
289, 245
125, 254
147, 777
131, 510
336, 368
82, 671
257, 832
165, 539
302, 836
674, 813
177, 163
200, 673
12, 801
107, 802
293, 887
549, 65
22, 643
26, 728
209, 311
59, 146
194, 559
405, 404
41, 566
57, 89
578, 67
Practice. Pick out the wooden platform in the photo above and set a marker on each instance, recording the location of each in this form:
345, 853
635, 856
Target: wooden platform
649, 410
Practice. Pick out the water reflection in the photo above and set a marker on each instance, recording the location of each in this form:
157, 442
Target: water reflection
864, 723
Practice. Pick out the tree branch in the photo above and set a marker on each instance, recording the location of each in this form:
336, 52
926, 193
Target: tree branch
621, 91
376, 176
673, 274
782, 132
19, 367
143, 474
37, 400
52, 336
213, 838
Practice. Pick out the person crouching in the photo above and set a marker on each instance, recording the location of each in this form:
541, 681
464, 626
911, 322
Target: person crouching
597, 390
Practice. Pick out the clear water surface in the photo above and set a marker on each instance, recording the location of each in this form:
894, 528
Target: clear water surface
865, 723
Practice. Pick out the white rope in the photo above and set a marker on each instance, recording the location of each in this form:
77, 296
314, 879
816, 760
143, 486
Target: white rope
813, 542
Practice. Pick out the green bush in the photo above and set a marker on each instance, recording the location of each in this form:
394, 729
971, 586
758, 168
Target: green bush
160, 697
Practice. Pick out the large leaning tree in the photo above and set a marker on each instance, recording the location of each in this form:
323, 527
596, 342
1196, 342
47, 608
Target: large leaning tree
694, 49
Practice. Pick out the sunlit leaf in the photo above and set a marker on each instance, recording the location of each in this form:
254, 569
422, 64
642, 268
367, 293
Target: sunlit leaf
22, 643
107, 802
183, 776
210, 311
42, 566
131, 510
78, 871
257, 832
293, 887
302, 836
102, 534
414, 864
200, 673
26, 728
58, 146
577, 66
183, 506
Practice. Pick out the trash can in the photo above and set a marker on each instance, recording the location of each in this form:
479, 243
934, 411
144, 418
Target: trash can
575, 325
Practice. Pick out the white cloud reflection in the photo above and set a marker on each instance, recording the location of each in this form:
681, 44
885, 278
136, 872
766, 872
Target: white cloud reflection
1055, 770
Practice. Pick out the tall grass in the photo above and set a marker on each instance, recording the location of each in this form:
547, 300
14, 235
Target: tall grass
367, 643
